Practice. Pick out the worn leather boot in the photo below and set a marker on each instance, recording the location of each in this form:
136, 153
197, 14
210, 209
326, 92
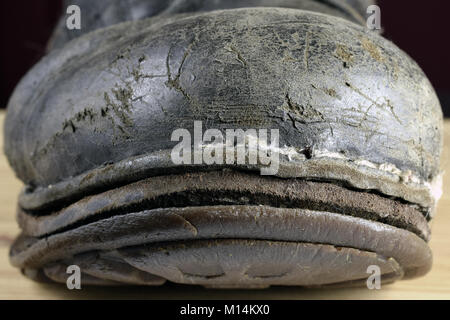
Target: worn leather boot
352, 126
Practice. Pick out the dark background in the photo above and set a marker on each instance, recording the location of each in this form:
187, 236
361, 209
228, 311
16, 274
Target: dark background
421, 28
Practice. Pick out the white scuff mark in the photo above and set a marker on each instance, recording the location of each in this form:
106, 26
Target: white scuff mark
436, 187
407, 177
253, 144
365, 163
391, 168
328, 154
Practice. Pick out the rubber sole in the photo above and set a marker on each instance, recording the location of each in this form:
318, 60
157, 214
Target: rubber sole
114, 239
229, 264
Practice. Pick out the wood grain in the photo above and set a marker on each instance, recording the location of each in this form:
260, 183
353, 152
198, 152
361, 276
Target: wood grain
435, 285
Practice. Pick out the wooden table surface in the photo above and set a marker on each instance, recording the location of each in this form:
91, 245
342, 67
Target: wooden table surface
435, 285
